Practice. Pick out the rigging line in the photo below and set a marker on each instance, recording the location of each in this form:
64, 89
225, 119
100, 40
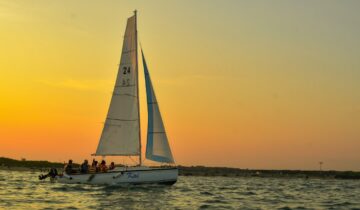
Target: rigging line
138, 37
132, 159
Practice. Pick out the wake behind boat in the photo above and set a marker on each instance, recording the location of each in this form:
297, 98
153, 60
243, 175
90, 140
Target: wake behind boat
121, 132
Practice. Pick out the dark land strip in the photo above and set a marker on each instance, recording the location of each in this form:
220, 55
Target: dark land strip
34, 165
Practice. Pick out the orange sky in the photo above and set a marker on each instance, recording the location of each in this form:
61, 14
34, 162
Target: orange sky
240, 84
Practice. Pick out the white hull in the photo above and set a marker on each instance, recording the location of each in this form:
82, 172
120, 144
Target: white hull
130, 175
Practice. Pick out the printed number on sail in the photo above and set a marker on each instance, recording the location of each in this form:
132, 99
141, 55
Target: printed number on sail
126, 71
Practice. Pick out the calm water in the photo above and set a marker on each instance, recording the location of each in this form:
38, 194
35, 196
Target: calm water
22, 190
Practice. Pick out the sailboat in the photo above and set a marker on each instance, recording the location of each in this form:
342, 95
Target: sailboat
121, 135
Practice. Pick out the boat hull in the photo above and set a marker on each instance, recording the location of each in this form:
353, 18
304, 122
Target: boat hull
119, 176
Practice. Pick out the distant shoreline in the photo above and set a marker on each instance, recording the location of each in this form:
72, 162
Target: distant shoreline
42, 166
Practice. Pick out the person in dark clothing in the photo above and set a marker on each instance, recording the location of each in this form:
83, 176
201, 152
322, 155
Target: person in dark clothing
94, 163
94, 166
84, 168
69, 167
103, 167
52, 174
112, 166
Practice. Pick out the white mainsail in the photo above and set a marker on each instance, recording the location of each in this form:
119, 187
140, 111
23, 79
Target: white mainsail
121, 132
157, 147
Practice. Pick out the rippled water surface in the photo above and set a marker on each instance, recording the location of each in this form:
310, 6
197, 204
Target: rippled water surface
22, 190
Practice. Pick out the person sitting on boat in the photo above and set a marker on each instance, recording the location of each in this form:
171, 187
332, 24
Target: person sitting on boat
84, 168
112, 166
103, 167
94, 166
69, 167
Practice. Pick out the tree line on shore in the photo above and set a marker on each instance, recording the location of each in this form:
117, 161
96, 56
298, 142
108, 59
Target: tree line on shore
9, 163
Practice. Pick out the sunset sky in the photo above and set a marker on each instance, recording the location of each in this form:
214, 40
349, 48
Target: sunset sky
248, 84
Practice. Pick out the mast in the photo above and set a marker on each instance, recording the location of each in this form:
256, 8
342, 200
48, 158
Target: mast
137, 81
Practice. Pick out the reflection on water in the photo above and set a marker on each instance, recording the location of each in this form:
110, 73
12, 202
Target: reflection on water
22, 190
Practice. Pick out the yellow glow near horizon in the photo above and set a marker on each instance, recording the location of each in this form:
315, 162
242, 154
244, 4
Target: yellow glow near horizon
241, 84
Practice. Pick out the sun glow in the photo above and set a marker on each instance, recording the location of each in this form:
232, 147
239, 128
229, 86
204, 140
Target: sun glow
251, 85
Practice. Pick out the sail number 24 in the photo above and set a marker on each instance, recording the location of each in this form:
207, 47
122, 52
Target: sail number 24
126, 71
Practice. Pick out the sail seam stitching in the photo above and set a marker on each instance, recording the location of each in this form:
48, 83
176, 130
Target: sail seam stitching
117, 94
128, 51
120, 119
119, 86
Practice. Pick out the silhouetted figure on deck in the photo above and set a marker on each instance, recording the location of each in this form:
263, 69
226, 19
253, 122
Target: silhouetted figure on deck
69, 168
103, 167
112, 166
94, 166
84, 168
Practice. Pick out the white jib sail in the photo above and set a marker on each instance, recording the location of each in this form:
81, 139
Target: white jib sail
120, 135
157, 147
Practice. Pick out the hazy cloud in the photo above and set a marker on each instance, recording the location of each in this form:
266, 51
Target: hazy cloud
98, 85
